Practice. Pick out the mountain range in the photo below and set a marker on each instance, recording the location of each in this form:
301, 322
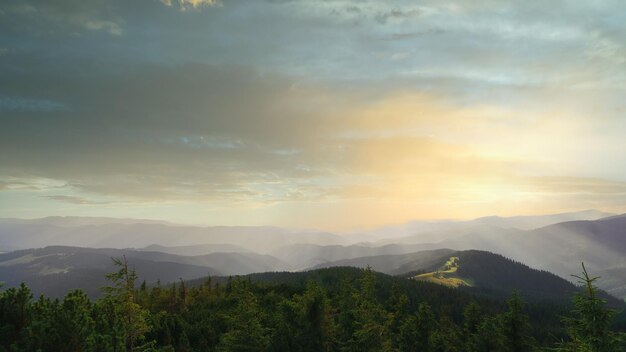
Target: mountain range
55, 269
560, 248
57, 253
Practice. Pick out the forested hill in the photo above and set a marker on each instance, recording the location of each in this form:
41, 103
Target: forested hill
339, 279
494, 275
484, 273
337, 309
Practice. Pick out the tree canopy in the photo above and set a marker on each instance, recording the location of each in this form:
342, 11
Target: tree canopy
338, 309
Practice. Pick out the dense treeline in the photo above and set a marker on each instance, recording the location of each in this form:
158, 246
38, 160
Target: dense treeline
494, 272
339, 309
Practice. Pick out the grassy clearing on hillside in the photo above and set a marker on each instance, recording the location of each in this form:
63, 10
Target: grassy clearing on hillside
446, 275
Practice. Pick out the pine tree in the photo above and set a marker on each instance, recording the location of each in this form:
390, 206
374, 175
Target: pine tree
122, 294
15, 315
182, 292
246, 332
488, 337
399, 305
305, 323
589, 326
472, 319
371, 322
416, 330
515, 326
447, 337
318, 325
472, 316
78, 328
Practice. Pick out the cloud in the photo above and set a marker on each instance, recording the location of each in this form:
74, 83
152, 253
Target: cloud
185, 5
29, 104
432, 108
16, 185
188, 139
184, 134
74, 200
578, 185
51, 18
397, 14
13, 183
195, 133
97, 25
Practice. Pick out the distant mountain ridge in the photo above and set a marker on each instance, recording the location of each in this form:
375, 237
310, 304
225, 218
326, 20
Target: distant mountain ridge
73, 221
560, 248
137, 233
55, 269
304, 256
433, 231
193, 250
557, 248
23, 235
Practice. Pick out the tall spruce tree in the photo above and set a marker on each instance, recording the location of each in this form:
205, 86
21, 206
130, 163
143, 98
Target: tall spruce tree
15, 317
515, 326
246, 331
416, 330
132, 317
589, 326
371, 320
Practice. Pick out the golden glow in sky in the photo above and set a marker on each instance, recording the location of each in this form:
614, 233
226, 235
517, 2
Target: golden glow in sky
332, 115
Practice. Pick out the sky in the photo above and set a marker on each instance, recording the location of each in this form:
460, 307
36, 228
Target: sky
328, 114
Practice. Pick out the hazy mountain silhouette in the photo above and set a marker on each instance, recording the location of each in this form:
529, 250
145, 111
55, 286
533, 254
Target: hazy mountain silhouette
23, 234
54, 270
433, 231
198, 249
130, 233
395, 264
557, 248
560, 248
304, 256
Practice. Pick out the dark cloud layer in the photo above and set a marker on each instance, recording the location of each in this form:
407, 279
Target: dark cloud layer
258, 103
152, 131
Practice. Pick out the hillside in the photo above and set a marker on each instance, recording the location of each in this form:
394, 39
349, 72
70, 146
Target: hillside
495, 275
446, 275
302, 255
56, 269
395, 264
560, 248
341, 308
482, 272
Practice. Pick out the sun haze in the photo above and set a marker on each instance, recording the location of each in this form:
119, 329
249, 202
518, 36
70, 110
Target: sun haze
332, 115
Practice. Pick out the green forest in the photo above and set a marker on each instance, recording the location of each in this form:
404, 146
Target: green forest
337, 309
